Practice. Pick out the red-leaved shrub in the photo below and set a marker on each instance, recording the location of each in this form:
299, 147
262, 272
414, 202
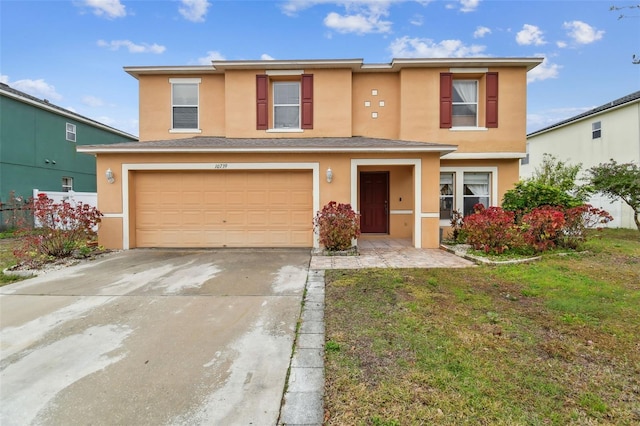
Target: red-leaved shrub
337, 225
578, 220
542, 227
492, 230
60, 228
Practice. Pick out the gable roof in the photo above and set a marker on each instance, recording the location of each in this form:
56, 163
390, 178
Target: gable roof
206, 144
633, 97
10, 92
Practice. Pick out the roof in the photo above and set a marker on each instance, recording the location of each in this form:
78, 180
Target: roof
356, 65
205, 144
10, 92
633, 97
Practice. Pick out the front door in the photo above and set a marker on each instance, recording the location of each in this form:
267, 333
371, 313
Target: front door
374, 202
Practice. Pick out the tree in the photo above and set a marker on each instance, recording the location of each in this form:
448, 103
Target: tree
558, 174
635, 59
615, 181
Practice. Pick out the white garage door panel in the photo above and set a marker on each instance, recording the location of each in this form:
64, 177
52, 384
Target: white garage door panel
223, 209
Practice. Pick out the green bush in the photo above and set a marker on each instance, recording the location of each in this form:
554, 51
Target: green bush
528, 195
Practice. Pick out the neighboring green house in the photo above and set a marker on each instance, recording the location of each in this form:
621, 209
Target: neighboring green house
38, 146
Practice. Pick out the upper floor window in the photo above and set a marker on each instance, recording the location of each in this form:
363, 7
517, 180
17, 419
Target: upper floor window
465, 103
184, 104
460, 103
596, 130
284, 101
67, 184
286, 105
71, 132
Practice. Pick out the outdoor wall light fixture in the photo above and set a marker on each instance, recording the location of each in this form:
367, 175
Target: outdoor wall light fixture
329, 175
109, 175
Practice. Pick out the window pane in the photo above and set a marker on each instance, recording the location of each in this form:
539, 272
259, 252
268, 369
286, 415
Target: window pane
465, 91
464, 116
287, 117
185, 94
476, 191
185, 118
286, 93
446, 195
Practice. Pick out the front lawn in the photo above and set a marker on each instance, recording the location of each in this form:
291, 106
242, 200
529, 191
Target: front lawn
552, 342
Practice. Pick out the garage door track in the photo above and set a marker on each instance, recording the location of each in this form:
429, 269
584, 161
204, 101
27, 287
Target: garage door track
152, 337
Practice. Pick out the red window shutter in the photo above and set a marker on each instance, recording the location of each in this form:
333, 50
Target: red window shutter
492, 99
307, 102
446, 99
262, 104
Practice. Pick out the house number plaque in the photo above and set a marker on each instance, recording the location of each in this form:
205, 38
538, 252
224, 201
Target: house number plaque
220, 166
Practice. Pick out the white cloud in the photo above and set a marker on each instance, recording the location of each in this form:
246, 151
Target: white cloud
194, 10
266, 57
212, 55
561, 44
543, 71
469, 5
417, 20
407, 47
545, 118
530, 34
481, 32
38, 88
92, 101
582, 33
358, 23
132, 47
107, 8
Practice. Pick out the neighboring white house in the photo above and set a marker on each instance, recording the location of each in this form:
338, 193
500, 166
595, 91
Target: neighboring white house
610, 131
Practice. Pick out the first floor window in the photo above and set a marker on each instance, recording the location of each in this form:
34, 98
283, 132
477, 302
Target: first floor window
184, 103
67, 184
475, 191
71, 132
465, 103
286, 105
596, 130
446, 196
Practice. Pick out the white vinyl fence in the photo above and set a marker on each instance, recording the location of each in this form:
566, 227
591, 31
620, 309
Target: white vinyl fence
71, 197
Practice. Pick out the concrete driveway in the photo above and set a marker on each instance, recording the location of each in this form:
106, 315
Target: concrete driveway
152, 337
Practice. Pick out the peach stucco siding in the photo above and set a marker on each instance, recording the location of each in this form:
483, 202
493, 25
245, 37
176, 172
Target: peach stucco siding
399, 101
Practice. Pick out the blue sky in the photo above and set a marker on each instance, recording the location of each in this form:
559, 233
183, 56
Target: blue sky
72, 52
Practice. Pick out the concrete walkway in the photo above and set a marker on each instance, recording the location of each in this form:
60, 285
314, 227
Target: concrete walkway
303, 402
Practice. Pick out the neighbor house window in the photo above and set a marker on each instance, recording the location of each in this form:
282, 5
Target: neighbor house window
184, 103
286, 105
71, 132
67, 184
465, 103
475, 190
596, 130
446, 195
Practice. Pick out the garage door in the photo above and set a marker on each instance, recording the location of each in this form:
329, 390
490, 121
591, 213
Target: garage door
223, 209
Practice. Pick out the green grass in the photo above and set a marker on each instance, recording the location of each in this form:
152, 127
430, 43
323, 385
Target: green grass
6, 260
551, 342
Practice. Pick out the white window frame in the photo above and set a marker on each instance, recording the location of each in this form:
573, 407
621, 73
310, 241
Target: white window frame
70, 132
596, 130
299, 85
186, 81
476, 103
458, 191
67, 184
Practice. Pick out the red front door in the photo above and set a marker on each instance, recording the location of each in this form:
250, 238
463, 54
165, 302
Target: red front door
374, 202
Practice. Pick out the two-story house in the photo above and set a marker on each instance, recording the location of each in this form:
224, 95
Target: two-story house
38, 143
244, 153
609, 131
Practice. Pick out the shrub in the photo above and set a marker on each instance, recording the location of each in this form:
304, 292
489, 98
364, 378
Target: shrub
337, 225
492, 230
457, 220
528, 195
542, 227
578, 220
59, 230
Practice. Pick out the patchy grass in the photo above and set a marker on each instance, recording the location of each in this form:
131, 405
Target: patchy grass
7, 259
552, 342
